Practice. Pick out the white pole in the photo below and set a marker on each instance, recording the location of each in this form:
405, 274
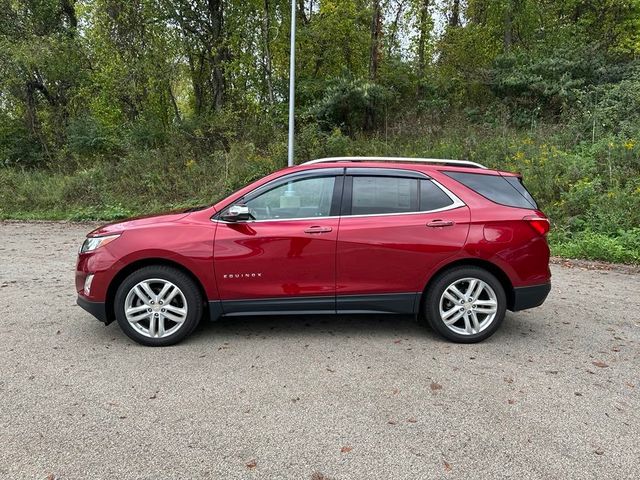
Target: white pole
292, 81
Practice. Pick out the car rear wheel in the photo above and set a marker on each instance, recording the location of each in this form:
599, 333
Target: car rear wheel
465, 304
158, 305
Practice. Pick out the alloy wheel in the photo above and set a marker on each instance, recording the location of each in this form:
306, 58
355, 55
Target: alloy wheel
468, 306
155, 308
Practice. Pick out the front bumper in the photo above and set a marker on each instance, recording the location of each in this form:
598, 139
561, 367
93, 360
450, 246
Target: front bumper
97, 309
529, 297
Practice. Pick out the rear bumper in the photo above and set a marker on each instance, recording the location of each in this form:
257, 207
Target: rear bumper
529, 297
97, 309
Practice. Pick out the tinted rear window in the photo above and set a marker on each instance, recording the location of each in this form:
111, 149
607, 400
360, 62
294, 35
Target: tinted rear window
503, 190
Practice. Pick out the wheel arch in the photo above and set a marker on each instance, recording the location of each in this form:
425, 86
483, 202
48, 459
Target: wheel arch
125, 271
492, 268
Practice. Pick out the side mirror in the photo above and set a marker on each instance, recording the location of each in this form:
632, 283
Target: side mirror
237, 213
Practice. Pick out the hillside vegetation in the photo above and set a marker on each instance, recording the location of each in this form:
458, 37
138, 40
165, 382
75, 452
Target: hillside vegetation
110, 108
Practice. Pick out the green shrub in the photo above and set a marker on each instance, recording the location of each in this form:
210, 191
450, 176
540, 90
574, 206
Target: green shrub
624, 247
591, 191
354, 105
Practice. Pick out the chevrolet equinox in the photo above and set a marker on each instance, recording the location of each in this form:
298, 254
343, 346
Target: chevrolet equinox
450, 242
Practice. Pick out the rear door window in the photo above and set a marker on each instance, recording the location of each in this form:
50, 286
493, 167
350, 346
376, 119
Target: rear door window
378, 195
507, 191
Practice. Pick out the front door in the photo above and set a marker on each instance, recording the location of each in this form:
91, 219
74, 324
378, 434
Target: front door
284, 258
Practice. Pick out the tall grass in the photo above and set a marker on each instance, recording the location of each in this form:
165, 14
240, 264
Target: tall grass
590, 190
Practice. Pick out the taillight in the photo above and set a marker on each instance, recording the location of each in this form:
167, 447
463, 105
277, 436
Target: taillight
539, 224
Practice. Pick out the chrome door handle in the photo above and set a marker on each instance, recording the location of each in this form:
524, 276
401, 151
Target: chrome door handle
440, 223
318, 229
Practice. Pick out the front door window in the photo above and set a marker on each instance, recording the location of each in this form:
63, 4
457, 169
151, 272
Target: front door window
304, 198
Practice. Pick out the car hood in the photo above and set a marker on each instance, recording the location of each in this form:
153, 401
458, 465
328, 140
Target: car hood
138, 222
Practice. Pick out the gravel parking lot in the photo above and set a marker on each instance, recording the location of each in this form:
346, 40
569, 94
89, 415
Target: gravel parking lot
554, 394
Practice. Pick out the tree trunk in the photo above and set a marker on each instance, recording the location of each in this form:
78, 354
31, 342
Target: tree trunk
454, 18
69, 11
302, 13
423, 34
31, 117
374, 57
508, 27
393, 29
266, 39
197, 65
219, 53
376, 34
174, 103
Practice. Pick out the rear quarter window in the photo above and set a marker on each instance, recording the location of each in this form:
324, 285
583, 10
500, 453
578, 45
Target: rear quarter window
432, 197
507, 191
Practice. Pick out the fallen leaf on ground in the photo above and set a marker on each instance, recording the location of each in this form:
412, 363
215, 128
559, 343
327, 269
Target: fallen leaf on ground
346, 449
511, 401
435, 386
319, 476
447, 467
600, 364
411, 420
251, 464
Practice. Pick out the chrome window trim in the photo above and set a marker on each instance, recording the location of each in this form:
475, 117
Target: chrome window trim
457, 203
443, 209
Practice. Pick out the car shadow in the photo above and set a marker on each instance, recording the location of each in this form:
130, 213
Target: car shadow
391, 326
515, 328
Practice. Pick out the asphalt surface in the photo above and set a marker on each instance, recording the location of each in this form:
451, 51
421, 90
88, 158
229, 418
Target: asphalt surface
554, 394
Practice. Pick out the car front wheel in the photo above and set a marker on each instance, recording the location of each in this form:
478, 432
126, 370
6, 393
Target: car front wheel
465, 304
158, 305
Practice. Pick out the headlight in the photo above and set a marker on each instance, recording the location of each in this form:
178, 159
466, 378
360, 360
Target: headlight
91, 243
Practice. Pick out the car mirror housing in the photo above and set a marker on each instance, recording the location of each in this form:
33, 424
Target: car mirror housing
236, 213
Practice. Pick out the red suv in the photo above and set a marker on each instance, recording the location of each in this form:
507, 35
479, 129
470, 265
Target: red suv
450, 242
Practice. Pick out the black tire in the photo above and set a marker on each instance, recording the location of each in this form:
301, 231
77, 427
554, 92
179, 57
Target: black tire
193, 299
431, 306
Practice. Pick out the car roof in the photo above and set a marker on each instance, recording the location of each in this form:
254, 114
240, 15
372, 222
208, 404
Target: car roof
409, 163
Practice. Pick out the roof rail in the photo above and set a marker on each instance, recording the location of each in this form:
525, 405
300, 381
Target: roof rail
458, 163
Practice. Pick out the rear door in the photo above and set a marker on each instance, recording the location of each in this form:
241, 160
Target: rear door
283, 259
396, 227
